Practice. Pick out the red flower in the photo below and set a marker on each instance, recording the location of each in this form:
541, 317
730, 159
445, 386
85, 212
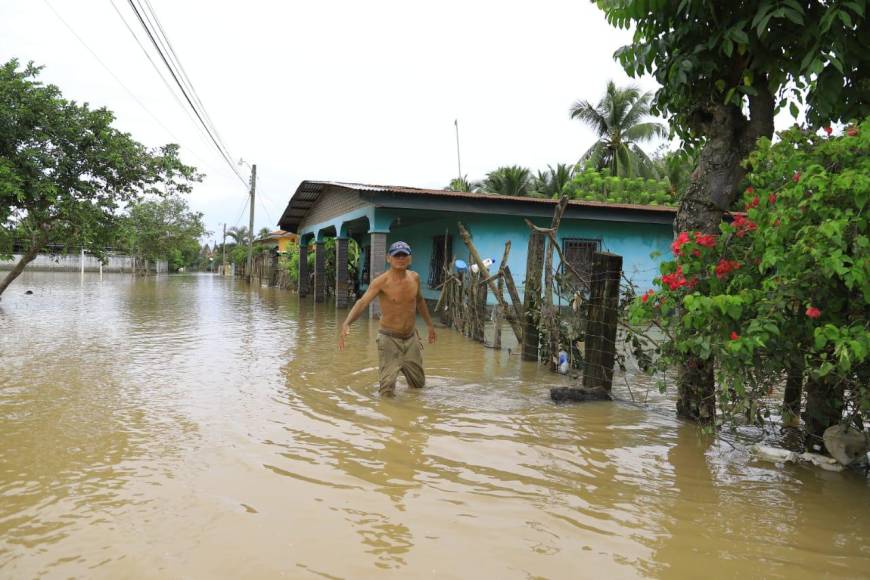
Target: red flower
813, 312
734, 335
676, 280
796, 177
828, 130
743, 225
852, 131
752, 204
750, 189
683, 238
693, 281
771, 198
724, 267
705, 240
649, 294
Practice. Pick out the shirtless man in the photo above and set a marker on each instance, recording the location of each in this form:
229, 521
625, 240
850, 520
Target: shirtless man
399, 295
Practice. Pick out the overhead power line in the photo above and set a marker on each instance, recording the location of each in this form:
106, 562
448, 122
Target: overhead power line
161, 44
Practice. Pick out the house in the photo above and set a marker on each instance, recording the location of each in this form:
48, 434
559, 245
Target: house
278, 239
375, 216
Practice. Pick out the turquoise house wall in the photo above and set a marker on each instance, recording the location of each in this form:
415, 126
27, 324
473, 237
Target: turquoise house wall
635, 242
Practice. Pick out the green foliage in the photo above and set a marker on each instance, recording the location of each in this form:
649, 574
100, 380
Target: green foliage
239, 234
592, 185
65, 172
676, 167
620, 121
462, 184
162, 228
553, 181
508, 180
787, 52
785, 285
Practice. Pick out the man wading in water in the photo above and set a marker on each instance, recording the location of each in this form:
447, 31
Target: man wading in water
399, 295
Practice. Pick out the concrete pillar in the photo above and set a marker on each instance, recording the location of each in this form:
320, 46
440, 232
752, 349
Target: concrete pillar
377, 266
319, 272
303, 269
341, 276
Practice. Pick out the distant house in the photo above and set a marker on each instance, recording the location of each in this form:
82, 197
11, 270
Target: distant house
375, 216
278, 239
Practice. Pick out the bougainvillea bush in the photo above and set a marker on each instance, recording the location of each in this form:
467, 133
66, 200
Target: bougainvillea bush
783, 291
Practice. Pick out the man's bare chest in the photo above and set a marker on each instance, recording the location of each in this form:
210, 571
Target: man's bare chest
400, 293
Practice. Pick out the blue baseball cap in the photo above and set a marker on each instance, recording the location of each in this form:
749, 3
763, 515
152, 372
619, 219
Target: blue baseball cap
399, 248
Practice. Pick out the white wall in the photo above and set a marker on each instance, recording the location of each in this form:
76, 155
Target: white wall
73, 263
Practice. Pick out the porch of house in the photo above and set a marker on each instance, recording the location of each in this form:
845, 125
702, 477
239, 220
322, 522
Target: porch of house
376, 216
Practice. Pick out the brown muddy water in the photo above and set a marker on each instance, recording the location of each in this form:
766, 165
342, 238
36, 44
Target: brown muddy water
187, 426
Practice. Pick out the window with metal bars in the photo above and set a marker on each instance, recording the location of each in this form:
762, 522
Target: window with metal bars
442, 255
578, 252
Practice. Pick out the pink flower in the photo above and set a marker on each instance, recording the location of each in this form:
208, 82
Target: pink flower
813, 312
734, 335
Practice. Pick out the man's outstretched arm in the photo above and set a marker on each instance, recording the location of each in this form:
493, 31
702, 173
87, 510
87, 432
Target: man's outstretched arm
358, 307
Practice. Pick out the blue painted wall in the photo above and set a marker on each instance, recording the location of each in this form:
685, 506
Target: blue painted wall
635, 242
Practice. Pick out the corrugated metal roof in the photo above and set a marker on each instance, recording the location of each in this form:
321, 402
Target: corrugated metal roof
308, 192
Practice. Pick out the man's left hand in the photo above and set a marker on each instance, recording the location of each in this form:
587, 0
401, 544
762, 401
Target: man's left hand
432, 336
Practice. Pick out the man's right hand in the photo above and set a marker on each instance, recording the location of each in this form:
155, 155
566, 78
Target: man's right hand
345, 330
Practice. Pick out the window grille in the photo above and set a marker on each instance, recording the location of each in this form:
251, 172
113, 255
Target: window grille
578, 252
439, 260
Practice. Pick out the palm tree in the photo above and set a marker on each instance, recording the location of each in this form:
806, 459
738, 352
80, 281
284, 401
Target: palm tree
462, 184
508, 180
263, 233
239, 234
550, 183
620, 120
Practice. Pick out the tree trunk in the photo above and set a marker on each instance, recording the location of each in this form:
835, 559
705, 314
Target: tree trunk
824, 408
713, 189
38, 241
791, 400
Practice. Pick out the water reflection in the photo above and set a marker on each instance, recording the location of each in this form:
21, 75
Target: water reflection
148, 424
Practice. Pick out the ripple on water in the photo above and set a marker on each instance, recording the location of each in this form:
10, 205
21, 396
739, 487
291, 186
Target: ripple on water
148, 424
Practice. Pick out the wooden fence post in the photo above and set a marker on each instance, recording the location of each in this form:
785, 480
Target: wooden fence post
603, 318
532, 295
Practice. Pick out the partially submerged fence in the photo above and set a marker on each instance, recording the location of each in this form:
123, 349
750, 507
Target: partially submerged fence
581, 335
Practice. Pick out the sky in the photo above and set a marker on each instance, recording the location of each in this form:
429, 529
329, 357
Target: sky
333, 90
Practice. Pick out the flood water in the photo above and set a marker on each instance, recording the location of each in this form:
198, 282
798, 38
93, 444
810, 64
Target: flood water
187, 426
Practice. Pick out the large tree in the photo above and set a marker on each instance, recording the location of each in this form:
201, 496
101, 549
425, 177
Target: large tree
621, 121
65, 171
163, 229
725, 69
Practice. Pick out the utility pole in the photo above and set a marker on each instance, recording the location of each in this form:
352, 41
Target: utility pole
251, 223
224, 252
